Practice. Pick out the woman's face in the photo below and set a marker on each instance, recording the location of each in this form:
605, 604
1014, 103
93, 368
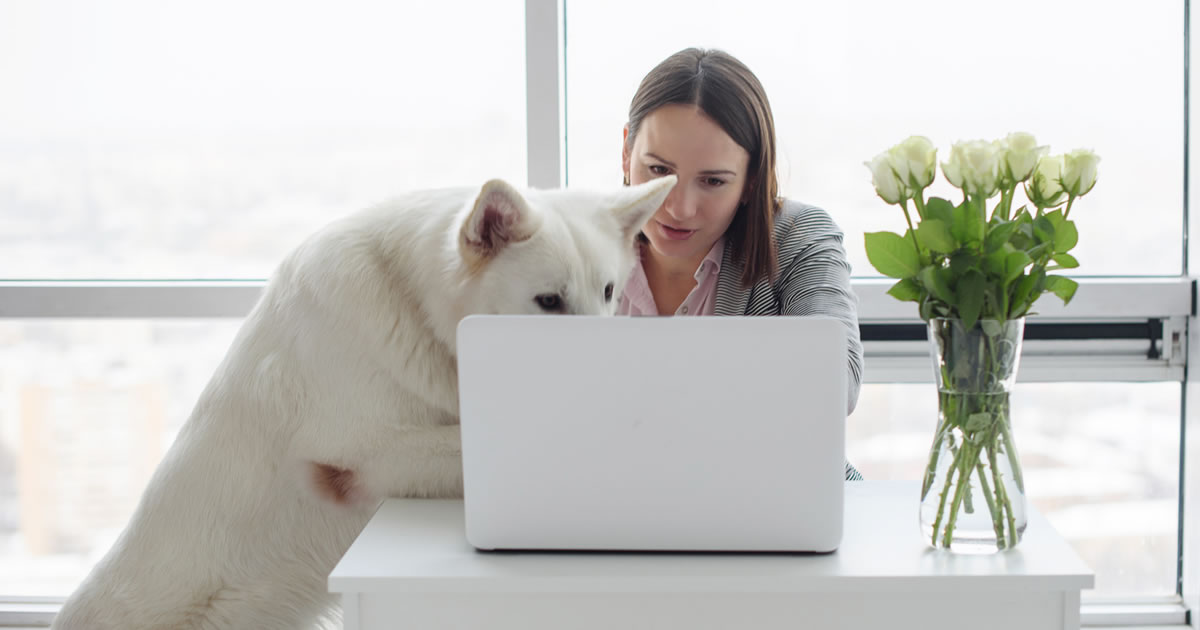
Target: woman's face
711, 167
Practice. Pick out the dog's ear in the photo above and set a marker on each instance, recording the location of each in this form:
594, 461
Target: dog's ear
499, 217
638, 203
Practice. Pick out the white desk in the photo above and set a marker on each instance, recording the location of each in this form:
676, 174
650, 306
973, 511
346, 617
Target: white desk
412, 568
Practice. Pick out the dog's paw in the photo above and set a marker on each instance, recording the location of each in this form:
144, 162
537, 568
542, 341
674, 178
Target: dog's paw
339, 485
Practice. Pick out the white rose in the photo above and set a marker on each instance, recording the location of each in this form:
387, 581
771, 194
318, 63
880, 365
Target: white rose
1079, 171
1021, 155
887, 185
974, 166
915, 162
1044, 188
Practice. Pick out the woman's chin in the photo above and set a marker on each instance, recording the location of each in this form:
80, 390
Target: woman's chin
673, 249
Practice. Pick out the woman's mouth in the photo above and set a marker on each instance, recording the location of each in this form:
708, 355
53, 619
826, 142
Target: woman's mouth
673, 233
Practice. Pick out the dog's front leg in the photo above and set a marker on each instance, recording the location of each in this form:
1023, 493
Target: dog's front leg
425, 462
401, 461
426, 369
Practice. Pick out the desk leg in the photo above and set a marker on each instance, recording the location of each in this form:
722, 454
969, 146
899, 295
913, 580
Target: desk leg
1070, 610
351, 616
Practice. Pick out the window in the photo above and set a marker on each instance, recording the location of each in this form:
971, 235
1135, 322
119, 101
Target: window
89, 408
142, 140
848, 80
147, 140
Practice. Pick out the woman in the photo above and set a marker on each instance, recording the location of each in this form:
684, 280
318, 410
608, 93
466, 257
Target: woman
724, 243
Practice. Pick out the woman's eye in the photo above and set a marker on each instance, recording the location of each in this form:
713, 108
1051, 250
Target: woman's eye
549, 301
608, 291
658, 169
714, 182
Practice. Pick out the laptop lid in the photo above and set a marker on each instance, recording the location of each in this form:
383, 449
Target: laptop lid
653, 433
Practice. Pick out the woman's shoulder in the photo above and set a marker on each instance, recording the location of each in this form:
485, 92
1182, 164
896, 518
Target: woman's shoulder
800, 224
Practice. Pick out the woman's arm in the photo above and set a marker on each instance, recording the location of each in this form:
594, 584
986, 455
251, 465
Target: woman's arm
814, 279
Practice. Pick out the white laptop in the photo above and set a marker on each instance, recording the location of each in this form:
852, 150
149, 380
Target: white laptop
653, 433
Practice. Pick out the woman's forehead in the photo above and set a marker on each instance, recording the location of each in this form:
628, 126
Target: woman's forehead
688, 138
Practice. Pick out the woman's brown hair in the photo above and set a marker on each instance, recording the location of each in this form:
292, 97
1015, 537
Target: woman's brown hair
729, 93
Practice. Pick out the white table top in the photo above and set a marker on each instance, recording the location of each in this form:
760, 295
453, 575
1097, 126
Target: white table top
419, 545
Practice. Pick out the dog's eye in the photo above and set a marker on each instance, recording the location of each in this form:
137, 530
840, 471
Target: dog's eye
549, 301
608, 290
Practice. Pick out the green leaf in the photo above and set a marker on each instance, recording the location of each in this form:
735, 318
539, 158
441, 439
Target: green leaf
992, 328
1027, 291
980, 421
1065, 261
997, 296
962, 261
934, 235
998, 235
934, 281
1036, 251
906, 290
968, 226
970, 297
892, 255
1014, 266
1024, 235
940, 209
1043, 229
925, 310
1020, 297
993, 263
1062, 286
1065, 236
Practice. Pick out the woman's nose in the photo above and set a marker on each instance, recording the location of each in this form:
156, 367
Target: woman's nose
680, 204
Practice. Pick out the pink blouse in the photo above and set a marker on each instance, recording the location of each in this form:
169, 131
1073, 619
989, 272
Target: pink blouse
637, 299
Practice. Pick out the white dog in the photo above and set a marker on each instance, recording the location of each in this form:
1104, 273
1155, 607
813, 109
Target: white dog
340, 390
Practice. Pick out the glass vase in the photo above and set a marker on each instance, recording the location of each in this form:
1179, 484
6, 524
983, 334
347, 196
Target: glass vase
973, 493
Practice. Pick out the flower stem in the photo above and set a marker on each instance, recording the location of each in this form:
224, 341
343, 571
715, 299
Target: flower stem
937, 521
1005, 505
997, 519
1002, 502
1067, 212
919, 203
965, 455
1005, 205
1011, 452
911, 231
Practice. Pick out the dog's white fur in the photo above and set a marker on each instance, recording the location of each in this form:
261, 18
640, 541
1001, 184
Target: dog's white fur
341, 389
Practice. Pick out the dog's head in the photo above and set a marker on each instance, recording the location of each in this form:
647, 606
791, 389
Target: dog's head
553, 251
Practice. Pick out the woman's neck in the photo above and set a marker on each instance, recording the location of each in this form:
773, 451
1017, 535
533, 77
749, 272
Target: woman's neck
670, 279
674, 270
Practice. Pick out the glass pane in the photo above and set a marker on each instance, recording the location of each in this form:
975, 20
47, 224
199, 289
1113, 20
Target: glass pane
87, 410
144, 139
1101, 462
846, 80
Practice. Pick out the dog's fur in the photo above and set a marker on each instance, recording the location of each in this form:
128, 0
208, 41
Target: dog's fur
341, 389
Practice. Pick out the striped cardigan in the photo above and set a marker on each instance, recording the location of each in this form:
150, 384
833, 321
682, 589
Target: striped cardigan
814, 279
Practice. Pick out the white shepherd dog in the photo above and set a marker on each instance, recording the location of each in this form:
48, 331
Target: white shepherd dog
340, 390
